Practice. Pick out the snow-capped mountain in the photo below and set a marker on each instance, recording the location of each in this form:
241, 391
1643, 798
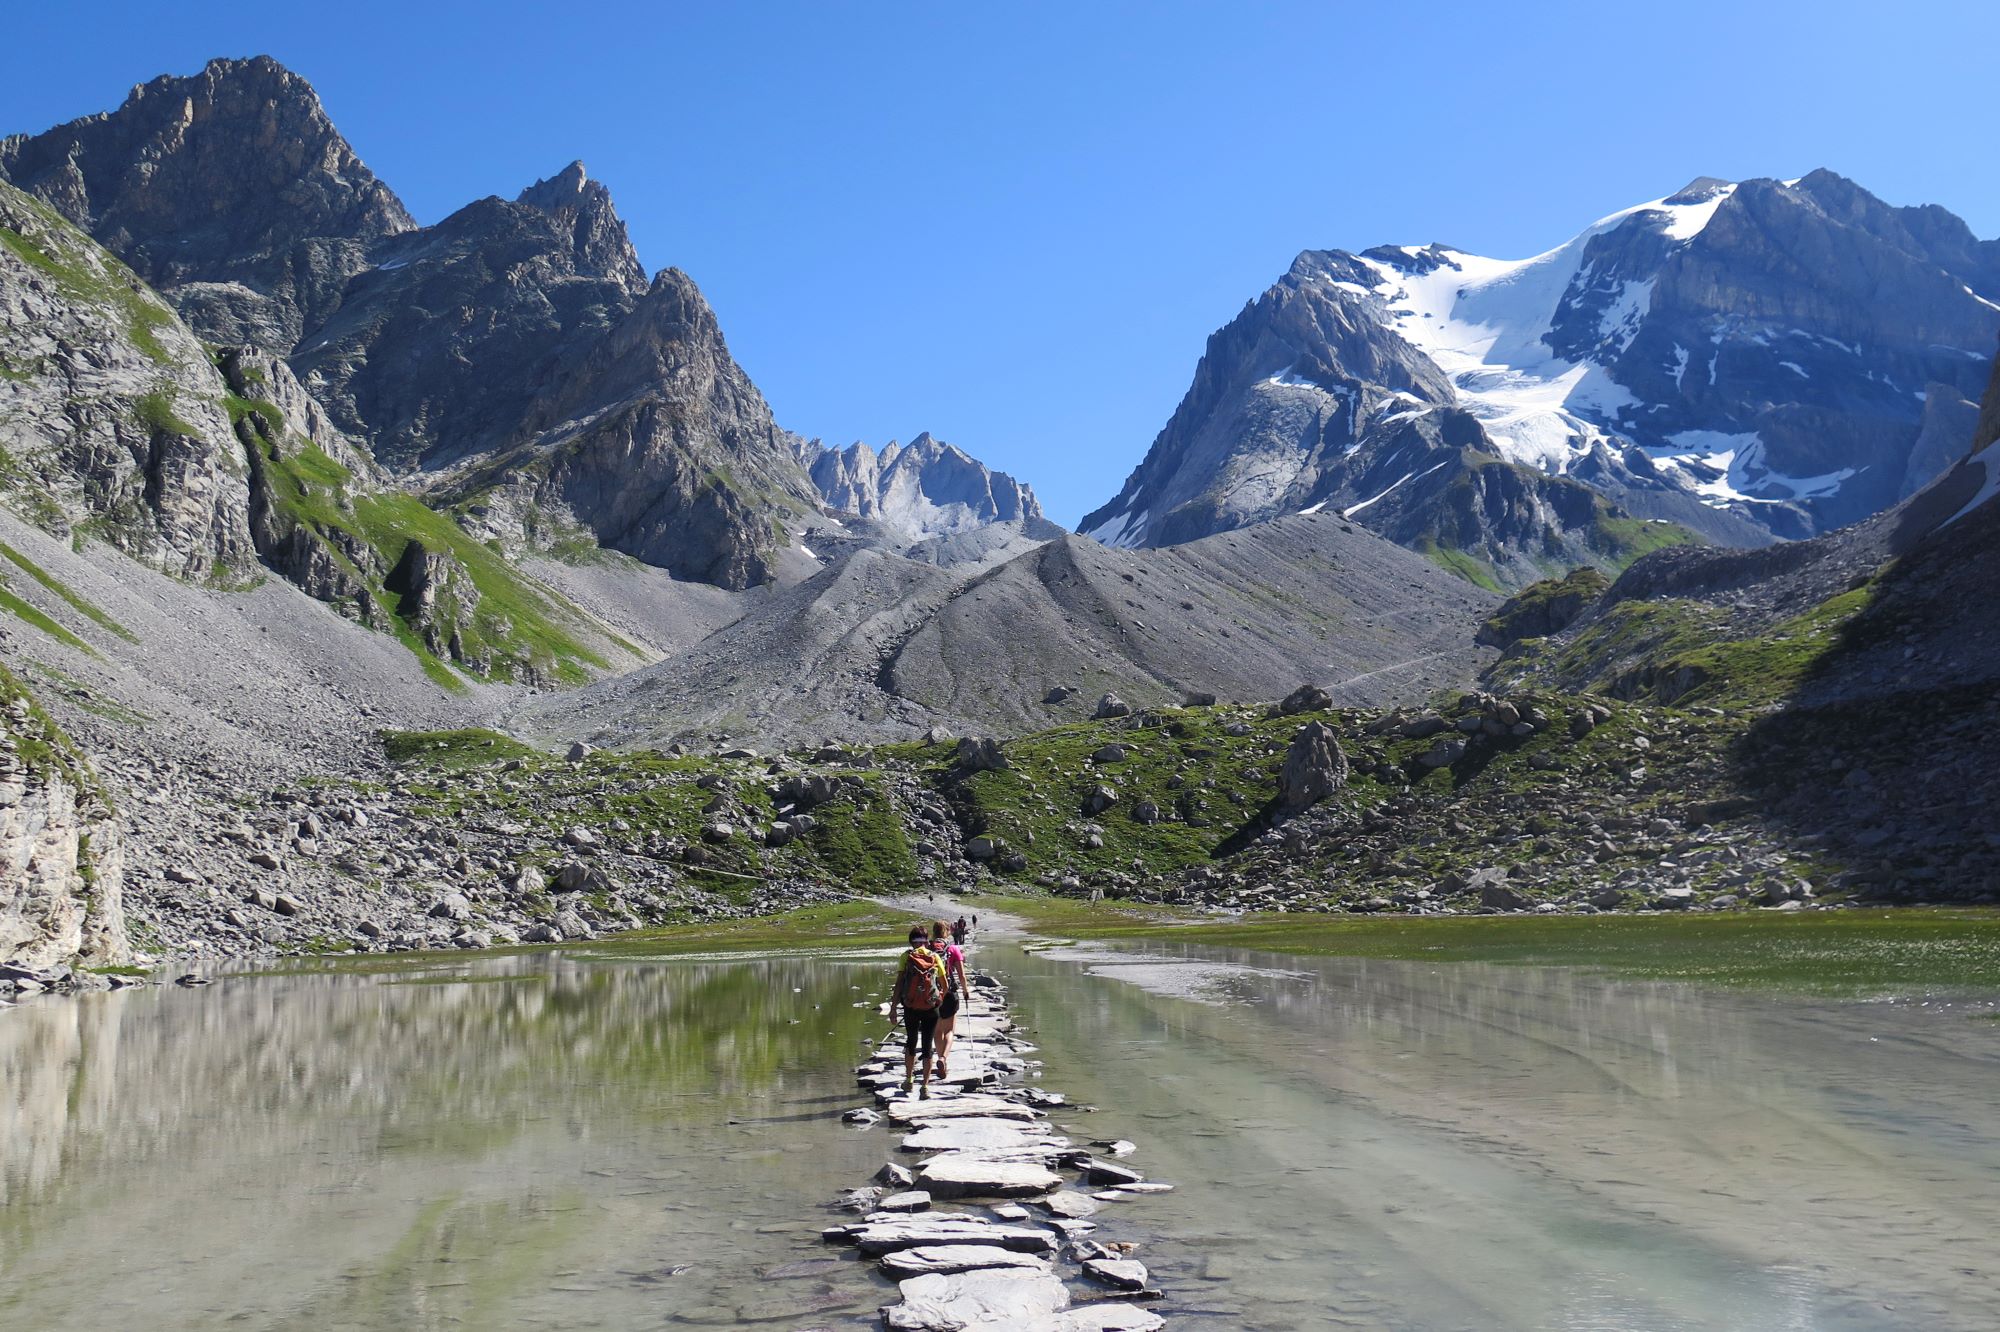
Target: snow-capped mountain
1749, 361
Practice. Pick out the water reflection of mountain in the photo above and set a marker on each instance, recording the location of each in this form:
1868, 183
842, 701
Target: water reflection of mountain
451, 1058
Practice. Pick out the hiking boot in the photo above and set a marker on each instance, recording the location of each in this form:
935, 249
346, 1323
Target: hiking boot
909, 1083
925, 1094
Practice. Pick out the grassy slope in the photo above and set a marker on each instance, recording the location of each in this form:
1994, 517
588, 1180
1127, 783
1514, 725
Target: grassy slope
518, 625
858, 840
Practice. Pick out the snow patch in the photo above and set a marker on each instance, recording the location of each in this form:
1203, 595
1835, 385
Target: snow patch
1796, 369
1681, 364
1486, 322
1724, 469
1119, 530
1989, 458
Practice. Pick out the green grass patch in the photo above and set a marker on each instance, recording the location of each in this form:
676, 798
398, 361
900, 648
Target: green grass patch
1625, 540
1473, 570
454, 749
1907, 951
21, 610
63, 590
141, 313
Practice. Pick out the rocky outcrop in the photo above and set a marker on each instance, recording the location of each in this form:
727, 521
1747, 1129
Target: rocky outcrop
659, 444
923, 489
1747, 361
231, 188
61, 865
1545, 608
1315, 767
112, 417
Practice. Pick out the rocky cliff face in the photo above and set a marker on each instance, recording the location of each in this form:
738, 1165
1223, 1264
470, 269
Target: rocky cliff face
112, 416
61, 865
922, 489
514, 356
231, 187
1747, 361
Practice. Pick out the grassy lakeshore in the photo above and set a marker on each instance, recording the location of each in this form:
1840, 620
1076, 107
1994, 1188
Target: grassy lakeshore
1902, 952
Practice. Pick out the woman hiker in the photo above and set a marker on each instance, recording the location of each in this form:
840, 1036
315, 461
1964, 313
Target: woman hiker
920, 990
954, 970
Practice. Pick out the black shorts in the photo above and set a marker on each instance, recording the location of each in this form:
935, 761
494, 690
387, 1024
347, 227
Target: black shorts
949, 1008
920, 1029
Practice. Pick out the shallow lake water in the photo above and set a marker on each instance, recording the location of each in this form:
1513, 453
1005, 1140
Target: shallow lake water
599, 1138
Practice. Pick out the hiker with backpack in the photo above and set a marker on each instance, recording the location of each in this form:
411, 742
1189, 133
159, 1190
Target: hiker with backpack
954, 971
921, 987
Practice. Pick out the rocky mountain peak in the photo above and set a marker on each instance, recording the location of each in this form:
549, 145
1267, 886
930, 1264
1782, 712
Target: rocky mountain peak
195, 173
1700, 190
925, 488
582, 208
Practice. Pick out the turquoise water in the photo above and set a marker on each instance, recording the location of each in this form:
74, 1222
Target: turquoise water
597, 1138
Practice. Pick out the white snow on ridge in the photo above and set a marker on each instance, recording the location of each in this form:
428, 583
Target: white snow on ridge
1989, 458
1353, 509
1485, 323
1727, 469
1121, 530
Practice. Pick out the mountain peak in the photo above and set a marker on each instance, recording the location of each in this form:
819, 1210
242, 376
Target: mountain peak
583, 208
183, 180
1699, 190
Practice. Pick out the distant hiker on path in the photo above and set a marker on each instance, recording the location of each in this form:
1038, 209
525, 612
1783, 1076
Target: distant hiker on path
958, 931
920, 991
954, 970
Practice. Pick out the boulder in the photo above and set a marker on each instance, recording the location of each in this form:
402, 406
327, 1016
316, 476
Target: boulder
1109, 754
1306, 698
1314, 768
1100, 799
579, 751
1117, 1273
1491, 885
1145, 811
1442, 754
1198, 698
1111, 706
980, 754
1060, 694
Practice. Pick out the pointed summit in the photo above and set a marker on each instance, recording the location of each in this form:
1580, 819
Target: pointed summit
182, 177
582, 207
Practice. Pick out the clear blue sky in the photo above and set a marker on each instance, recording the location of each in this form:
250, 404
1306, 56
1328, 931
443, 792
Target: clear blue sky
1014, 225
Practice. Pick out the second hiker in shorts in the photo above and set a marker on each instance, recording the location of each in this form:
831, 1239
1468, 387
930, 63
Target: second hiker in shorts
919, 994
954, 969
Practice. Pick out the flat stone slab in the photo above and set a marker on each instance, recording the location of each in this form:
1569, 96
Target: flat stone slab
977, 1134
916, 1200
1113, 1176
973, 1106
1107, 1318
950, 1258
1069, 1204
993, 1299
878, 1238
967, 1175
1118, 1273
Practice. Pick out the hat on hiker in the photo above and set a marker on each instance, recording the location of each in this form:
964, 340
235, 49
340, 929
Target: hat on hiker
919, 935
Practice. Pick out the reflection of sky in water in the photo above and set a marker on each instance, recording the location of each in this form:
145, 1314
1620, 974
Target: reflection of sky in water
1201, 981
604, 1137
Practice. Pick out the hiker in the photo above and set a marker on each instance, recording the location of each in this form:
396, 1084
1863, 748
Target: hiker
954, 970
920, 990
958, 931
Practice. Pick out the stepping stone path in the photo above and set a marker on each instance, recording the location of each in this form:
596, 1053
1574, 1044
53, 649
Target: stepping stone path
1008, 1249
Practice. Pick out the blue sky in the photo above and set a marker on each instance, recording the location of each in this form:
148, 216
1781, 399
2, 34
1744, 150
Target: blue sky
1015, 225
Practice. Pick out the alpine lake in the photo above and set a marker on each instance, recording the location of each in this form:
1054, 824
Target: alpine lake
625, 1134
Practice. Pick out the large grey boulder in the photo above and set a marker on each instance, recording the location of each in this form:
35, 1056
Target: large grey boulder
980, 754
1315, 767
